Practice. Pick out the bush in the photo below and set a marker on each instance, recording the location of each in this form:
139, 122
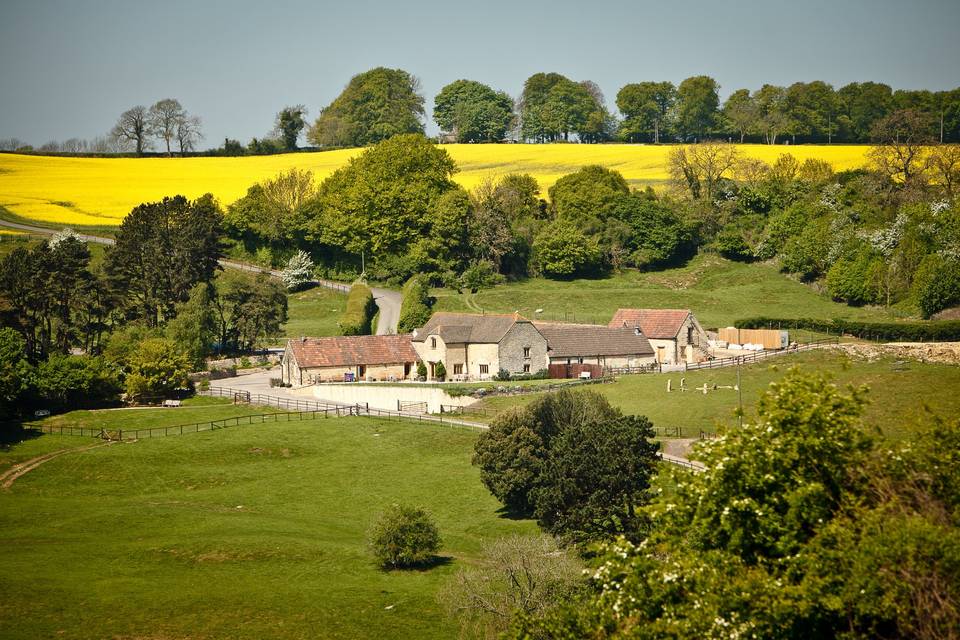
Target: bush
415, 308
440, 371
404, 537
936, 284
563, 251
947, 330
358, 316
480, 275
421, 370
503, 375
298, 272
731, 245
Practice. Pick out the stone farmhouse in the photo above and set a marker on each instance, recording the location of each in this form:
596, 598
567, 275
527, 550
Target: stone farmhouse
477, 347
348, 358
575, 348
675, 334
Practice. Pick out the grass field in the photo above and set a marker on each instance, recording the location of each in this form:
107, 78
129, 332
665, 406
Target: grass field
248, 532
897, 397
99, 192
718, 291
314, 312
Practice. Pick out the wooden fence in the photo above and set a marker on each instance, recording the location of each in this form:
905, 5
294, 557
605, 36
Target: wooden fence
759, 355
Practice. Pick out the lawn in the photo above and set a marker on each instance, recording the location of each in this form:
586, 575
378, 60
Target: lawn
248, 532
718, 291
898, 392
99, 192
314, 312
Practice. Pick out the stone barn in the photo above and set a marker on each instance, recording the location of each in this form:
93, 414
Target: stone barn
574, 348
336, 359
675, 334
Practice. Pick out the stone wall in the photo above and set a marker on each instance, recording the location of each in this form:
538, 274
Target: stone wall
521, 335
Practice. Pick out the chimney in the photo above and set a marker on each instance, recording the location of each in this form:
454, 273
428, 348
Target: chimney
303, 339
637, 331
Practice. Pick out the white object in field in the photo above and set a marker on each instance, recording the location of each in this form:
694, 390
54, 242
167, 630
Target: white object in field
171, 403
733, 346
40, 413
585, 375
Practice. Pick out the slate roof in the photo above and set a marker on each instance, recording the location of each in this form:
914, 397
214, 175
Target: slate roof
473, 328
348, 351
576, 340
659, 324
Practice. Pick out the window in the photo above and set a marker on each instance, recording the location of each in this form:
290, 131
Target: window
433, 343
484, 369
526, 368
458, 369
526, 352
579, 360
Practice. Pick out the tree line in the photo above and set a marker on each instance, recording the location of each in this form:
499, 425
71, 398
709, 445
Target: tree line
381, 103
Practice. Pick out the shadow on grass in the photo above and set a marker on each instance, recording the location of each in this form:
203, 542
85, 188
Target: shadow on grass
426, 565
513, 514
13, 433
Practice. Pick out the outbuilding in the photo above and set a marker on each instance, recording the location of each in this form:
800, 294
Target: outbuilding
346, 358
675, 334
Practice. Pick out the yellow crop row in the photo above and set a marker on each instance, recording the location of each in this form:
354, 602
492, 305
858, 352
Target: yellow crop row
101, 191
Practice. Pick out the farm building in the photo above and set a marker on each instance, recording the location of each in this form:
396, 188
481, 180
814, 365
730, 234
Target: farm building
313, 360
577, 348
675, 334
477, 347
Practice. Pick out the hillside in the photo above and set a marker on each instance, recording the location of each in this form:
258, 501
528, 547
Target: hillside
101, 191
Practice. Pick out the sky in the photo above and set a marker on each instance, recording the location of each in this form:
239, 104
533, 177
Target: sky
68, 68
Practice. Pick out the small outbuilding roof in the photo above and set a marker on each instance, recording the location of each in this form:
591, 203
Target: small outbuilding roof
576, 340
472, 328
349, 351
659, 324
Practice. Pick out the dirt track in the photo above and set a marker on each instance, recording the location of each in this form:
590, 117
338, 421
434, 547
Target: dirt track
14, 473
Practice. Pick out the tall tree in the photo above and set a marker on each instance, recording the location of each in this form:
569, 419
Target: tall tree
900, 140
700, 168
164, 119
812, 106
645, 106
473, 112
374, 106
162, 250
133, 126
189, 133
553, 106
771, 104
291, 121
740, 113
861, 104
697, 103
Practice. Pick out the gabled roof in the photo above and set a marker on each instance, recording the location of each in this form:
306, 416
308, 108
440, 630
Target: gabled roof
575, 340
349, 351
472, 328
659, 324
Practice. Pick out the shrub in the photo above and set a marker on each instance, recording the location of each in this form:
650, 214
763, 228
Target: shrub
480, 275
421, 370
358, 316
298, 272
731, 245
564, 251
157, 367
440, 371
404, 536
502, 375
936, 284
415, 308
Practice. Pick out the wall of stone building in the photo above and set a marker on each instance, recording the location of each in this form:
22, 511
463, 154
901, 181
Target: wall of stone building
289, 371
520, 335
607, 361
665, 351
316, 375
690, 327
482, 354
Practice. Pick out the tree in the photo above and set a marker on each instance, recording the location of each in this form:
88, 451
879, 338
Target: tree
189, 133
298, 272
15, 372
473, 112
194, 329
553, 106
164, 120
511, 454
415, 308
157, 367
70, 382
811, 107
270, 212
700, 168
561, 250
860, 106
594, 477
658, 235
291, 121
943, 166
162, 249
645, 106
696, 108
375, 105
133, 127
740, 113
249, 310
379, 203
900, 138
518, 575
771, 105
404, 537
588, 194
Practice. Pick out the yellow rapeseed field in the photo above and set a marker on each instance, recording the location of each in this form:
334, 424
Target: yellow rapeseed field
101, 191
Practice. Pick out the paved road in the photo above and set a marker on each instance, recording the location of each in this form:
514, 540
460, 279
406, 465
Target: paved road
388, 301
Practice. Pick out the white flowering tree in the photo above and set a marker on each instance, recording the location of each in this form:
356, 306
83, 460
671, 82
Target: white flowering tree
62, 235
298, 272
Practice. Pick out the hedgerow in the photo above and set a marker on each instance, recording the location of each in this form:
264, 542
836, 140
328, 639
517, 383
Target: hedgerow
947, 330
358, 316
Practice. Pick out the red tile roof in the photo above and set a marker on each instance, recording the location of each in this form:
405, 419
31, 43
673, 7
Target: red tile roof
347, 351
659, 324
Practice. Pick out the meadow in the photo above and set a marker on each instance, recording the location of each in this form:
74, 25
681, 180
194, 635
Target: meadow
246, 532
99, 192
898, 401
719, 292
